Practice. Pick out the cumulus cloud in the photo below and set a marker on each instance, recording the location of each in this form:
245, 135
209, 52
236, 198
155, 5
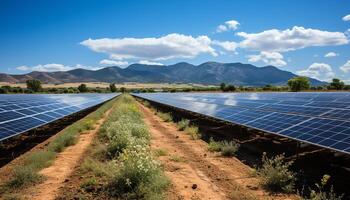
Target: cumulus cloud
271, 58
162, 48
290, 39
113, 62
330, 54
346, 18
146, 62
321, 71
227, 45
229, 25
346, 67
232, 24
221, 28
52, 67
23, 68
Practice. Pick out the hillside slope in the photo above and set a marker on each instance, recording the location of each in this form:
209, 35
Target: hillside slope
206, 73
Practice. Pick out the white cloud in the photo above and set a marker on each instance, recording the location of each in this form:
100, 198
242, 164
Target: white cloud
229, 25
346, 67
113, 62
146, 62
331, 54
232, 24
227, 45
221, 28
346, 18
320, 71
290, 39
271, 58
52, 67
23, 68
162, 48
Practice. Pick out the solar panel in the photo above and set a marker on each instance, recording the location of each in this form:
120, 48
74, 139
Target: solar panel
319, 118
23, 112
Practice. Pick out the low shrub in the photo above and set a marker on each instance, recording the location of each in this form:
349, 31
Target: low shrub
136, 175
140, 131
98, 168
193, 131
62, 141
117, 145
183, 124
229, 148
88, 124
160, 152
40, 159
321, 193
146, 103
23, 176
166, 117
276, 174
214, 146
89, 183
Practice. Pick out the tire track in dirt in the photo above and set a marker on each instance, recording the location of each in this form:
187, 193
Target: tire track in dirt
63, 166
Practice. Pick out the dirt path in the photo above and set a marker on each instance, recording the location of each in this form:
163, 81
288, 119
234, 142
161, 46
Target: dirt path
188, 162
63, 166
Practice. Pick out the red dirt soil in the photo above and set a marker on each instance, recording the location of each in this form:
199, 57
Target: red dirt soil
188, 163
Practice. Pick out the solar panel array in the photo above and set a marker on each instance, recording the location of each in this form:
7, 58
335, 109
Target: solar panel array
22, 112
321, 119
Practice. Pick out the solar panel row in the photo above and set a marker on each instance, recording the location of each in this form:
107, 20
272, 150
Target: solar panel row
20, 113
318, 118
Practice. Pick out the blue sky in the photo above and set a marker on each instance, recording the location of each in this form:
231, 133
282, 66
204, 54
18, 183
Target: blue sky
61, 35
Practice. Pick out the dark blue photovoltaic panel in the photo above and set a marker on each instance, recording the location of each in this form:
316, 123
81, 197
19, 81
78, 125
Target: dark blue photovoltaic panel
321, 119
22, 112
8, 115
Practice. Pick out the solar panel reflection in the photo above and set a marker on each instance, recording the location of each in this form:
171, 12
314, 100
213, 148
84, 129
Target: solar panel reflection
319, 118
22, 112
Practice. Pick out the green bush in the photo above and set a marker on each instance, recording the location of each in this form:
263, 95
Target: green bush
160, 152
61, 141
321, 193
24, 176
136, 174
166, 117
140, 131
39, 160
183, 124
276, 174
89, 183
214, 146
229, 148
99, 169
193, 131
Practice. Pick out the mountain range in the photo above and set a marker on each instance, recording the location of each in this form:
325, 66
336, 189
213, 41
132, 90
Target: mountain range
206, 73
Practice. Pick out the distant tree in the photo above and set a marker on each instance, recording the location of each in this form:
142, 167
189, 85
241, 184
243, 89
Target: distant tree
112, 87
337, 84
34, 85
2, 91
230, 88
298, 83
123, 89
267, 87
222, 86
83, 88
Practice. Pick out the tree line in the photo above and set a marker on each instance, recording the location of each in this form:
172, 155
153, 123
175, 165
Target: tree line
35, 86
295, 84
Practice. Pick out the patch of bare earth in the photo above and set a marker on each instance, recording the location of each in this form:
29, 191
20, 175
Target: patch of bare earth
196, 173
64, 165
